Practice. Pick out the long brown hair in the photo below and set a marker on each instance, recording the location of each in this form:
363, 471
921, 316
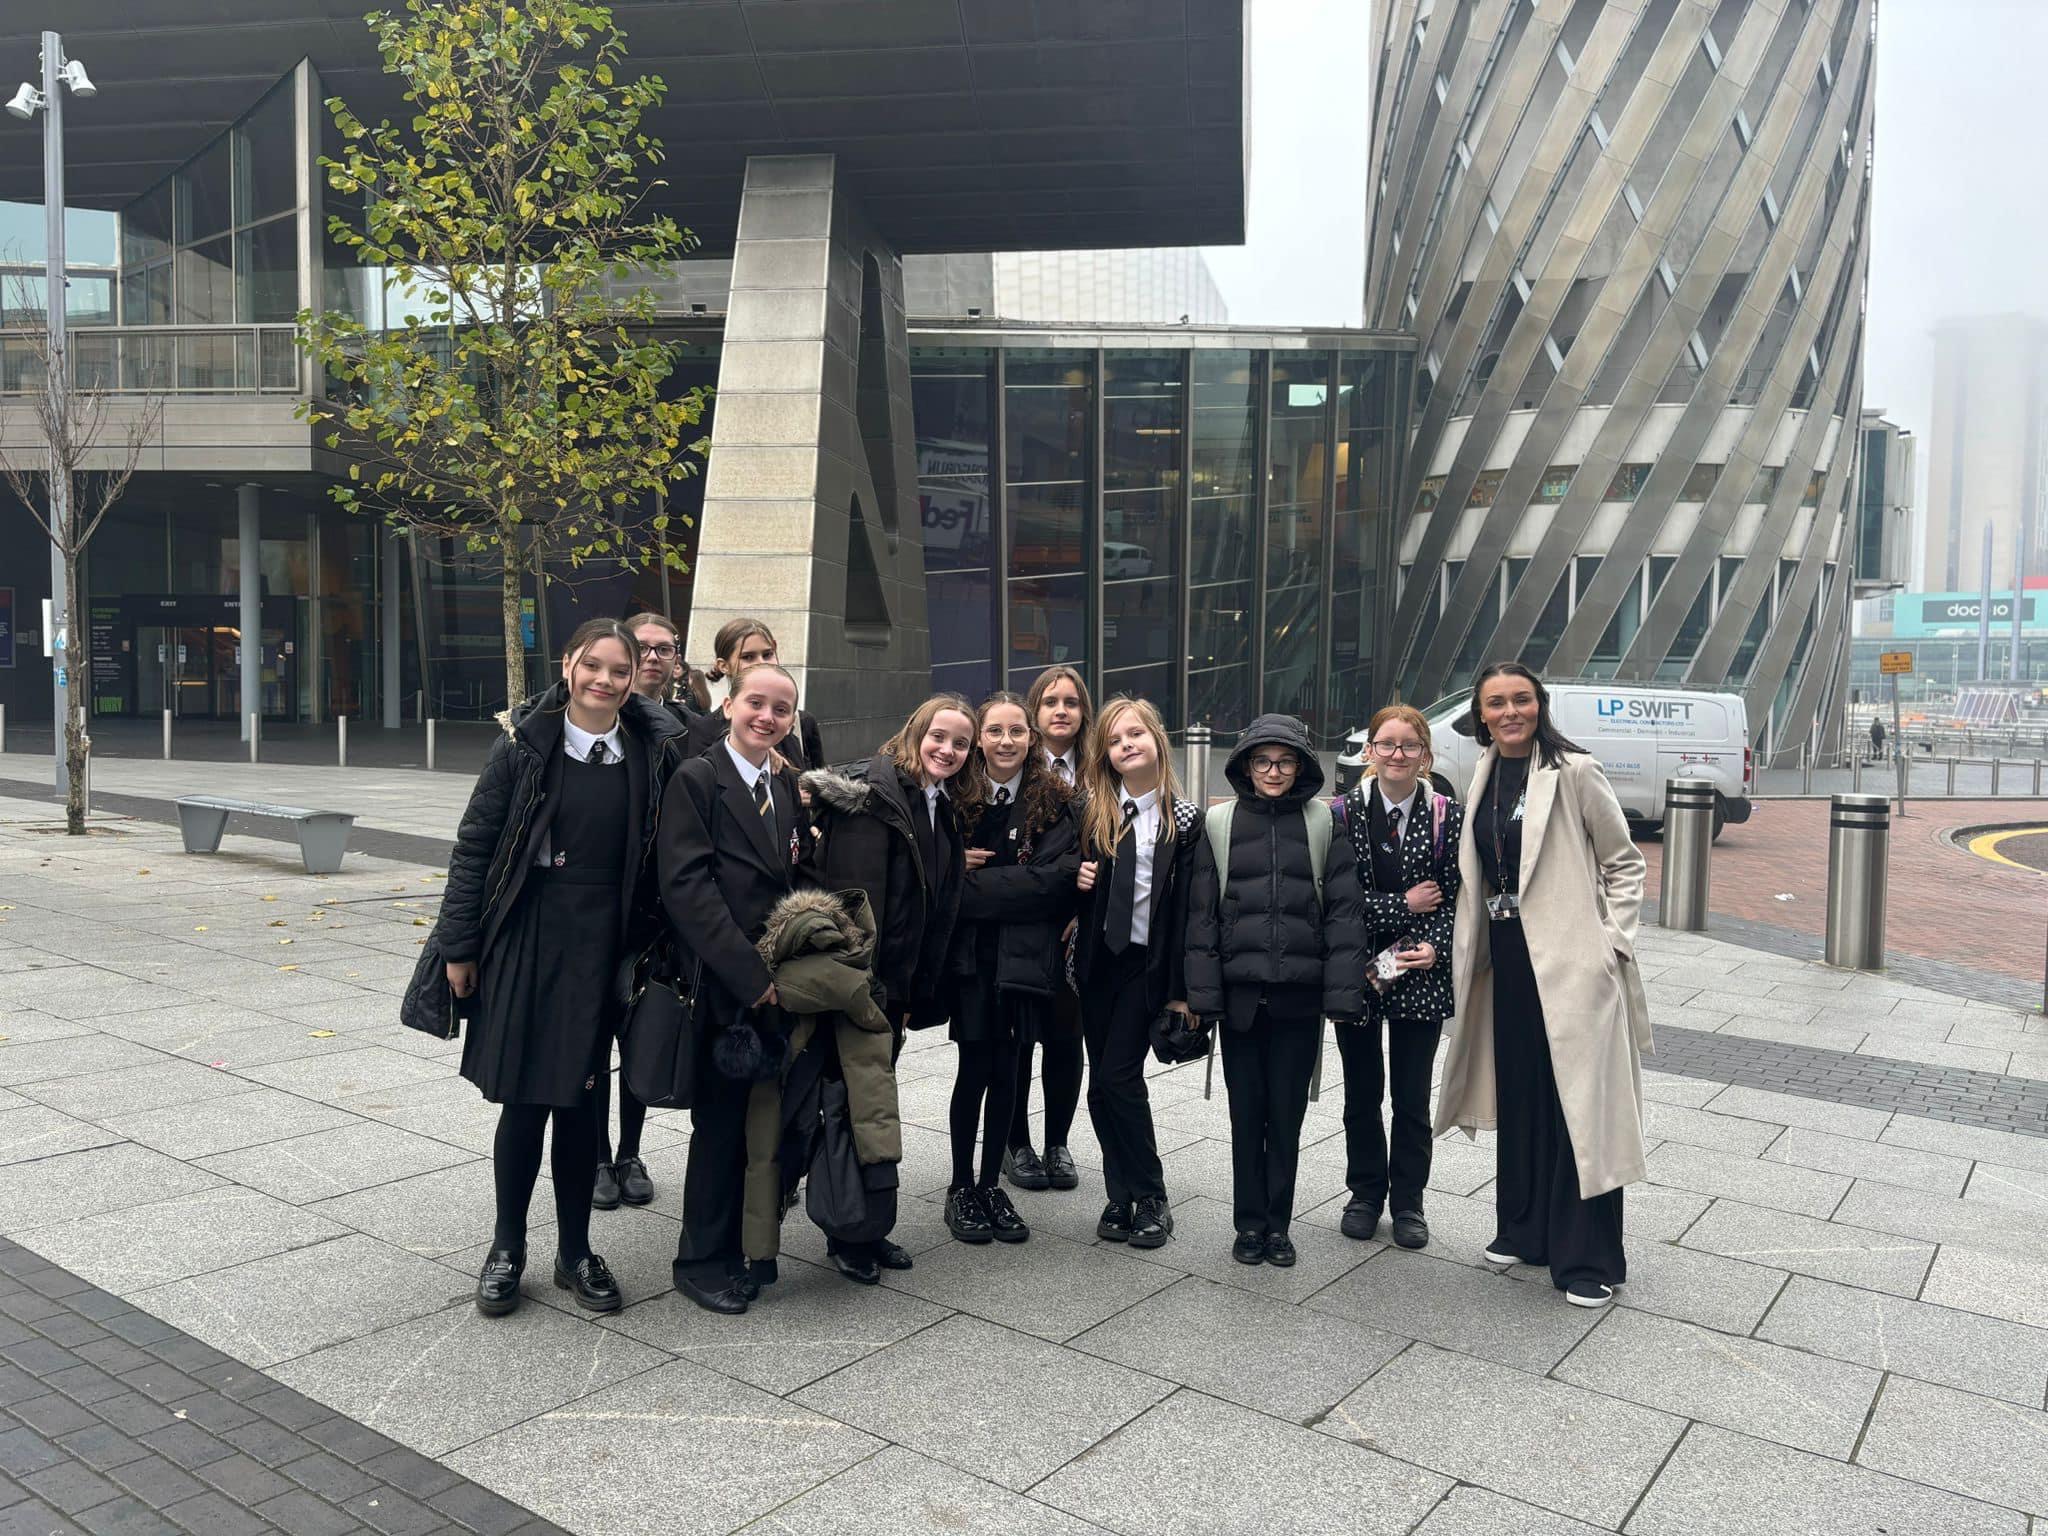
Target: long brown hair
728, 639
1103, 822
1042, 795
1551, 744
1042, 684
968, 788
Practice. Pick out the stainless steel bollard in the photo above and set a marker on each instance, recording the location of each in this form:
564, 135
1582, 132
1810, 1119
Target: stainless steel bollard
1996, 763
430, 746
1856, 770
1859, 849
1951, 776
167, 735
1688, 835
3, 727
1198, 764
341, 741
255, 737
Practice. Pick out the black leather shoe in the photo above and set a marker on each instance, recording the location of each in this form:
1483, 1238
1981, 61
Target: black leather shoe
1115, 1225
966, 1217
1023, 1169
1003, 1219
891, 1255
761, 1273
1151, 1222
725, 1299
1410, 1230
591, 1279
1060, 1171
1250, 1248
604, 1195
497, 1284
747, 1284
1361, 1219
635, 1188
860, 1268
1280, 1250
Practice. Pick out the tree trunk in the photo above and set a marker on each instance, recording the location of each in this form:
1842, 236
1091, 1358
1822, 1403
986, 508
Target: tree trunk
513, 564
78, 691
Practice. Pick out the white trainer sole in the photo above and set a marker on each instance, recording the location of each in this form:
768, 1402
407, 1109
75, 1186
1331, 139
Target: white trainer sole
1592, 1301
1499, 1260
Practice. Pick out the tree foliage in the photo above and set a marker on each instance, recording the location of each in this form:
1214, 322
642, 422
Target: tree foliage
521, 404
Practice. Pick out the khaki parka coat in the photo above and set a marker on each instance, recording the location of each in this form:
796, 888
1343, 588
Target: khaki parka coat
1581, 889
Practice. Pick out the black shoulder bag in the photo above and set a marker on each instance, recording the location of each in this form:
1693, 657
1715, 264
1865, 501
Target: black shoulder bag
658, 1036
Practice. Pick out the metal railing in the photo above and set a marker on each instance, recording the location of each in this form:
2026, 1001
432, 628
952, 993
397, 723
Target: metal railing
164, 359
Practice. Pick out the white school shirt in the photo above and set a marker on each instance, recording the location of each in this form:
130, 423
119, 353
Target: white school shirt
1145, 831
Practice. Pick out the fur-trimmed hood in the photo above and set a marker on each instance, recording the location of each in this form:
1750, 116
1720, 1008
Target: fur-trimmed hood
836, 792
799, 916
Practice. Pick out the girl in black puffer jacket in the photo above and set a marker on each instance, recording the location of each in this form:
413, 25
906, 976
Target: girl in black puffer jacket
1275, 943
1023, 852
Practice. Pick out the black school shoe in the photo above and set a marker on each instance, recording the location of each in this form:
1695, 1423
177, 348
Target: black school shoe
1003, 1219
1151, 1222
1023, 1169
967, 1217
1250, 1248
891, 1255
635, 1187
604, 1194
591, 1281
497, 1284
1361, 1219
1410, 1230
1280, 1250
1060, 1171
1115, 1225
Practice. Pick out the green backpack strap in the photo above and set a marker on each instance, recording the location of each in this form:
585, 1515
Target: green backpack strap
1321, 827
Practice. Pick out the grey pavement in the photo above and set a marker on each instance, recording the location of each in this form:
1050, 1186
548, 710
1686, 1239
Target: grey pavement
1835, 1321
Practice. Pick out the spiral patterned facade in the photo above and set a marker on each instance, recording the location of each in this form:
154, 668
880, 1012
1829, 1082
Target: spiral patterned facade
1631, 236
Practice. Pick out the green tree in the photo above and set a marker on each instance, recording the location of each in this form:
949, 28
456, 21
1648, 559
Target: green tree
519, 405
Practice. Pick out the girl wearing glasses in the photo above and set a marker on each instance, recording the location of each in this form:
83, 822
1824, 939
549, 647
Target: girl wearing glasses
1275, 944
1405, 838
1552, 1021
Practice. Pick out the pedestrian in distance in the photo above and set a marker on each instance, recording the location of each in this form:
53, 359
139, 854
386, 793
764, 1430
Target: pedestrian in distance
1058, 705
1136, 842
1876, 741
1022, 856
1551, 1019
731, 836
1404, 836
548, 892
1275, 944
895, 833
742, 643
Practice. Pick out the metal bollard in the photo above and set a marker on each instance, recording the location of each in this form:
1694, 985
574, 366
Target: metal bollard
1856, 770
3, 727
2037, 778
255, 737
1806, 768
1688, 835
341, 741
1996, 763
1198, 763
1951, 777
1859, 849
167, 735
430, 746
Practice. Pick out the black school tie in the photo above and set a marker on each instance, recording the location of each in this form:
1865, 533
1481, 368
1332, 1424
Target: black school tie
764, 807
1123, 887
597, 751
1394, 826
1003, 795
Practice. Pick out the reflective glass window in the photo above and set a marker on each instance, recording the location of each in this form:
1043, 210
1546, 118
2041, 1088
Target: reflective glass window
205, 280
1620, 632
1298, 466
1557, 479
1699, 483
1222, 512
1549, 625
1143, 405
1048, 408
204, 197
267, 272
952, 393
266, 179
146, 226
1048, 623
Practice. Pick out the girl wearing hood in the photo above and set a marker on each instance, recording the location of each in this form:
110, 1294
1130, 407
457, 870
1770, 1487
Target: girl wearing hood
896, 834
547, 893
1023, 850
1275, 944
1127, 951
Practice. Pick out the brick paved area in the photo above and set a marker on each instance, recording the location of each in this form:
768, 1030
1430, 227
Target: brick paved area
1835, 1319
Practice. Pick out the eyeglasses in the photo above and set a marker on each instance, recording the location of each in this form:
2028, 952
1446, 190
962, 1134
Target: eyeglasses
662, 652
1396, 749
1275, 764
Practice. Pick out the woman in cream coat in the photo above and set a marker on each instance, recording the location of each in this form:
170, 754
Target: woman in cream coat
1552, 1022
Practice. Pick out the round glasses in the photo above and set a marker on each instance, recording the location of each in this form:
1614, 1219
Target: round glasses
1396, 749
1275, 764
663, 652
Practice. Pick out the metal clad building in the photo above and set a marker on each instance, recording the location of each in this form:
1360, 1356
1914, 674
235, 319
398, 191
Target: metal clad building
1631, 237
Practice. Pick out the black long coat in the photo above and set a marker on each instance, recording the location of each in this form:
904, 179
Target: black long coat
1428, 852
1165, 978
1266, 933
502, 830
1027, 899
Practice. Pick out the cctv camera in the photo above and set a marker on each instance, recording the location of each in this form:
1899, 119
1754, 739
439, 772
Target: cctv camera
25, 102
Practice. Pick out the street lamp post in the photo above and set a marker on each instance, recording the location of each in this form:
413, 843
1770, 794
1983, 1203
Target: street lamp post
59, 74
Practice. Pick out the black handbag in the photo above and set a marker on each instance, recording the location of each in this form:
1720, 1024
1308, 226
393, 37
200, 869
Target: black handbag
658, 1036
1179, 1037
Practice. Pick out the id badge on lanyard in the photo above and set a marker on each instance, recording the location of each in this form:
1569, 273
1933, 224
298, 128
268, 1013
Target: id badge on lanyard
1504, 905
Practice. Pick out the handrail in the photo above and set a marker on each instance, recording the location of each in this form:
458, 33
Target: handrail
163, 360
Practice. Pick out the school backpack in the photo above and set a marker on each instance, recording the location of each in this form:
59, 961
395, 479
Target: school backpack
1315, 814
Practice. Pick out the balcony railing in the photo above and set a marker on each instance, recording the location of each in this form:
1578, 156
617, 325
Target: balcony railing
163, 359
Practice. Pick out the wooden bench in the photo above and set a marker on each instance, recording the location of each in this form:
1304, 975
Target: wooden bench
323, 835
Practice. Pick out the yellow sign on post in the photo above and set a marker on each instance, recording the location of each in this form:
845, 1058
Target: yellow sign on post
1895, 663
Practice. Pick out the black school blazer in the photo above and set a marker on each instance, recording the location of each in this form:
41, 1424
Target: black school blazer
1423, 996
1165, 975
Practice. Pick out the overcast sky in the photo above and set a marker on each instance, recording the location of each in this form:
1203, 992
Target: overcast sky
1959, 221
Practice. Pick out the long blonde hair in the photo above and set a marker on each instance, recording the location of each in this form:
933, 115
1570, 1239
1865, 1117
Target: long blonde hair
1104, 821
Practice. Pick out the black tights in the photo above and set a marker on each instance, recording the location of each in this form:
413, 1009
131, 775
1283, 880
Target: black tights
1062, 1080
515, 1164
984, 1090
632, 1120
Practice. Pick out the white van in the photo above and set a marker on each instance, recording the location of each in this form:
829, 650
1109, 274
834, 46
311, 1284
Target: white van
1643, 734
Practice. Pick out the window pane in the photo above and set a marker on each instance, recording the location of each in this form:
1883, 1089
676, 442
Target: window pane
1222, 538
1154, 683
1048, 622
1699, 484
1221, 699
265, 179
1620, 632
1291, 681
203, 195
1047, 409
1141, 423
267, 272
1226, 423
1549, 625
1140, 535
1557, 479
1045, 529
1220, 625
146, 226
206, 290
1140, 623
961, 605
950, 398
1294, 546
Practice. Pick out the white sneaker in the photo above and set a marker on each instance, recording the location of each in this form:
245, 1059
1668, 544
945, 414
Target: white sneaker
1588, 1293
1499, 1260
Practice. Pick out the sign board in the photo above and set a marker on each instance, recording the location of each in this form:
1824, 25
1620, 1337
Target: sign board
6, 626
1895, 663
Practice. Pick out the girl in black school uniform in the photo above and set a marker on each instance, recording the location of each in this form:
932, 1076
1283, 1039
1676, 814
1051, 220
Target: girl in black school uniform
1023, 853
1059, 707
1271, 957
546, 895
895, 834
1135, 842
740, 644
731, 834
1405, 836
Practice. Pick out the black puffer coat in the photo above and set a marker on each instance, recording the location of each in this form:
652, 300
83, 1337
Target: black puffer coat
1267, 936
501, 829
1025, 895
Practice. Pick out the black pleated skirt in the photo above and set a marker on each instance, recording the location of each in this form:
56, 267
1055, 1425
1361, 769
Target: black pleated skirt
557, 955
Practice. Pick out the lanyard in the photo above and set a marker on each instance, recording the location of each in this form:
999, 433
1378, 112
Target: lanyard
1500, 863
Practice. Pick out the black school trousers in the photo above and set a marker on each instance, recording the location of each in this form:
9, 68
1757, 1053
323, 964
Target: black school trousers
1267, 1069
708, 1251
1386, 1169
1117, 1029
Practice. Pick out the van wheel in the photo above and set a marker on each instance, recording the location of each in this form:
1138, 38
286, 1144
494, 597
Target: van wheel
1720, 817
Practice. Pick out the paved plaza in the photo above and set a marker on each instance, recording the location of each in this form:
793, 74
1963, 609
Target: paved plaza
242, 1209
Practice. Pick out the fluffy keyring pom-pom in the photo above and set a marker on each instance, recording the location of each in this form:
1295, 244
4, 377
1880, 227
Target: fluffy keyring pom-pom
737, 1052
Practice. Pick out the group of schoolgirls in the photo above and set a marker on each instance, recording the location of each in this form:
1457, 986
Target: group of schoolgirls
1028, 876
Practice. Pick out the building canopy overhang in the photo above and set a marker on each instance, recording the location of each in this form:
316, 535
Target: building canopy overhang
963, 125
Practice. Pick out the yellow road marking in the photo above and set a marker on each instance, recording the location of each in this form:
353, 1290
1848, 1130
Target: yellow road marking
1985, 846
